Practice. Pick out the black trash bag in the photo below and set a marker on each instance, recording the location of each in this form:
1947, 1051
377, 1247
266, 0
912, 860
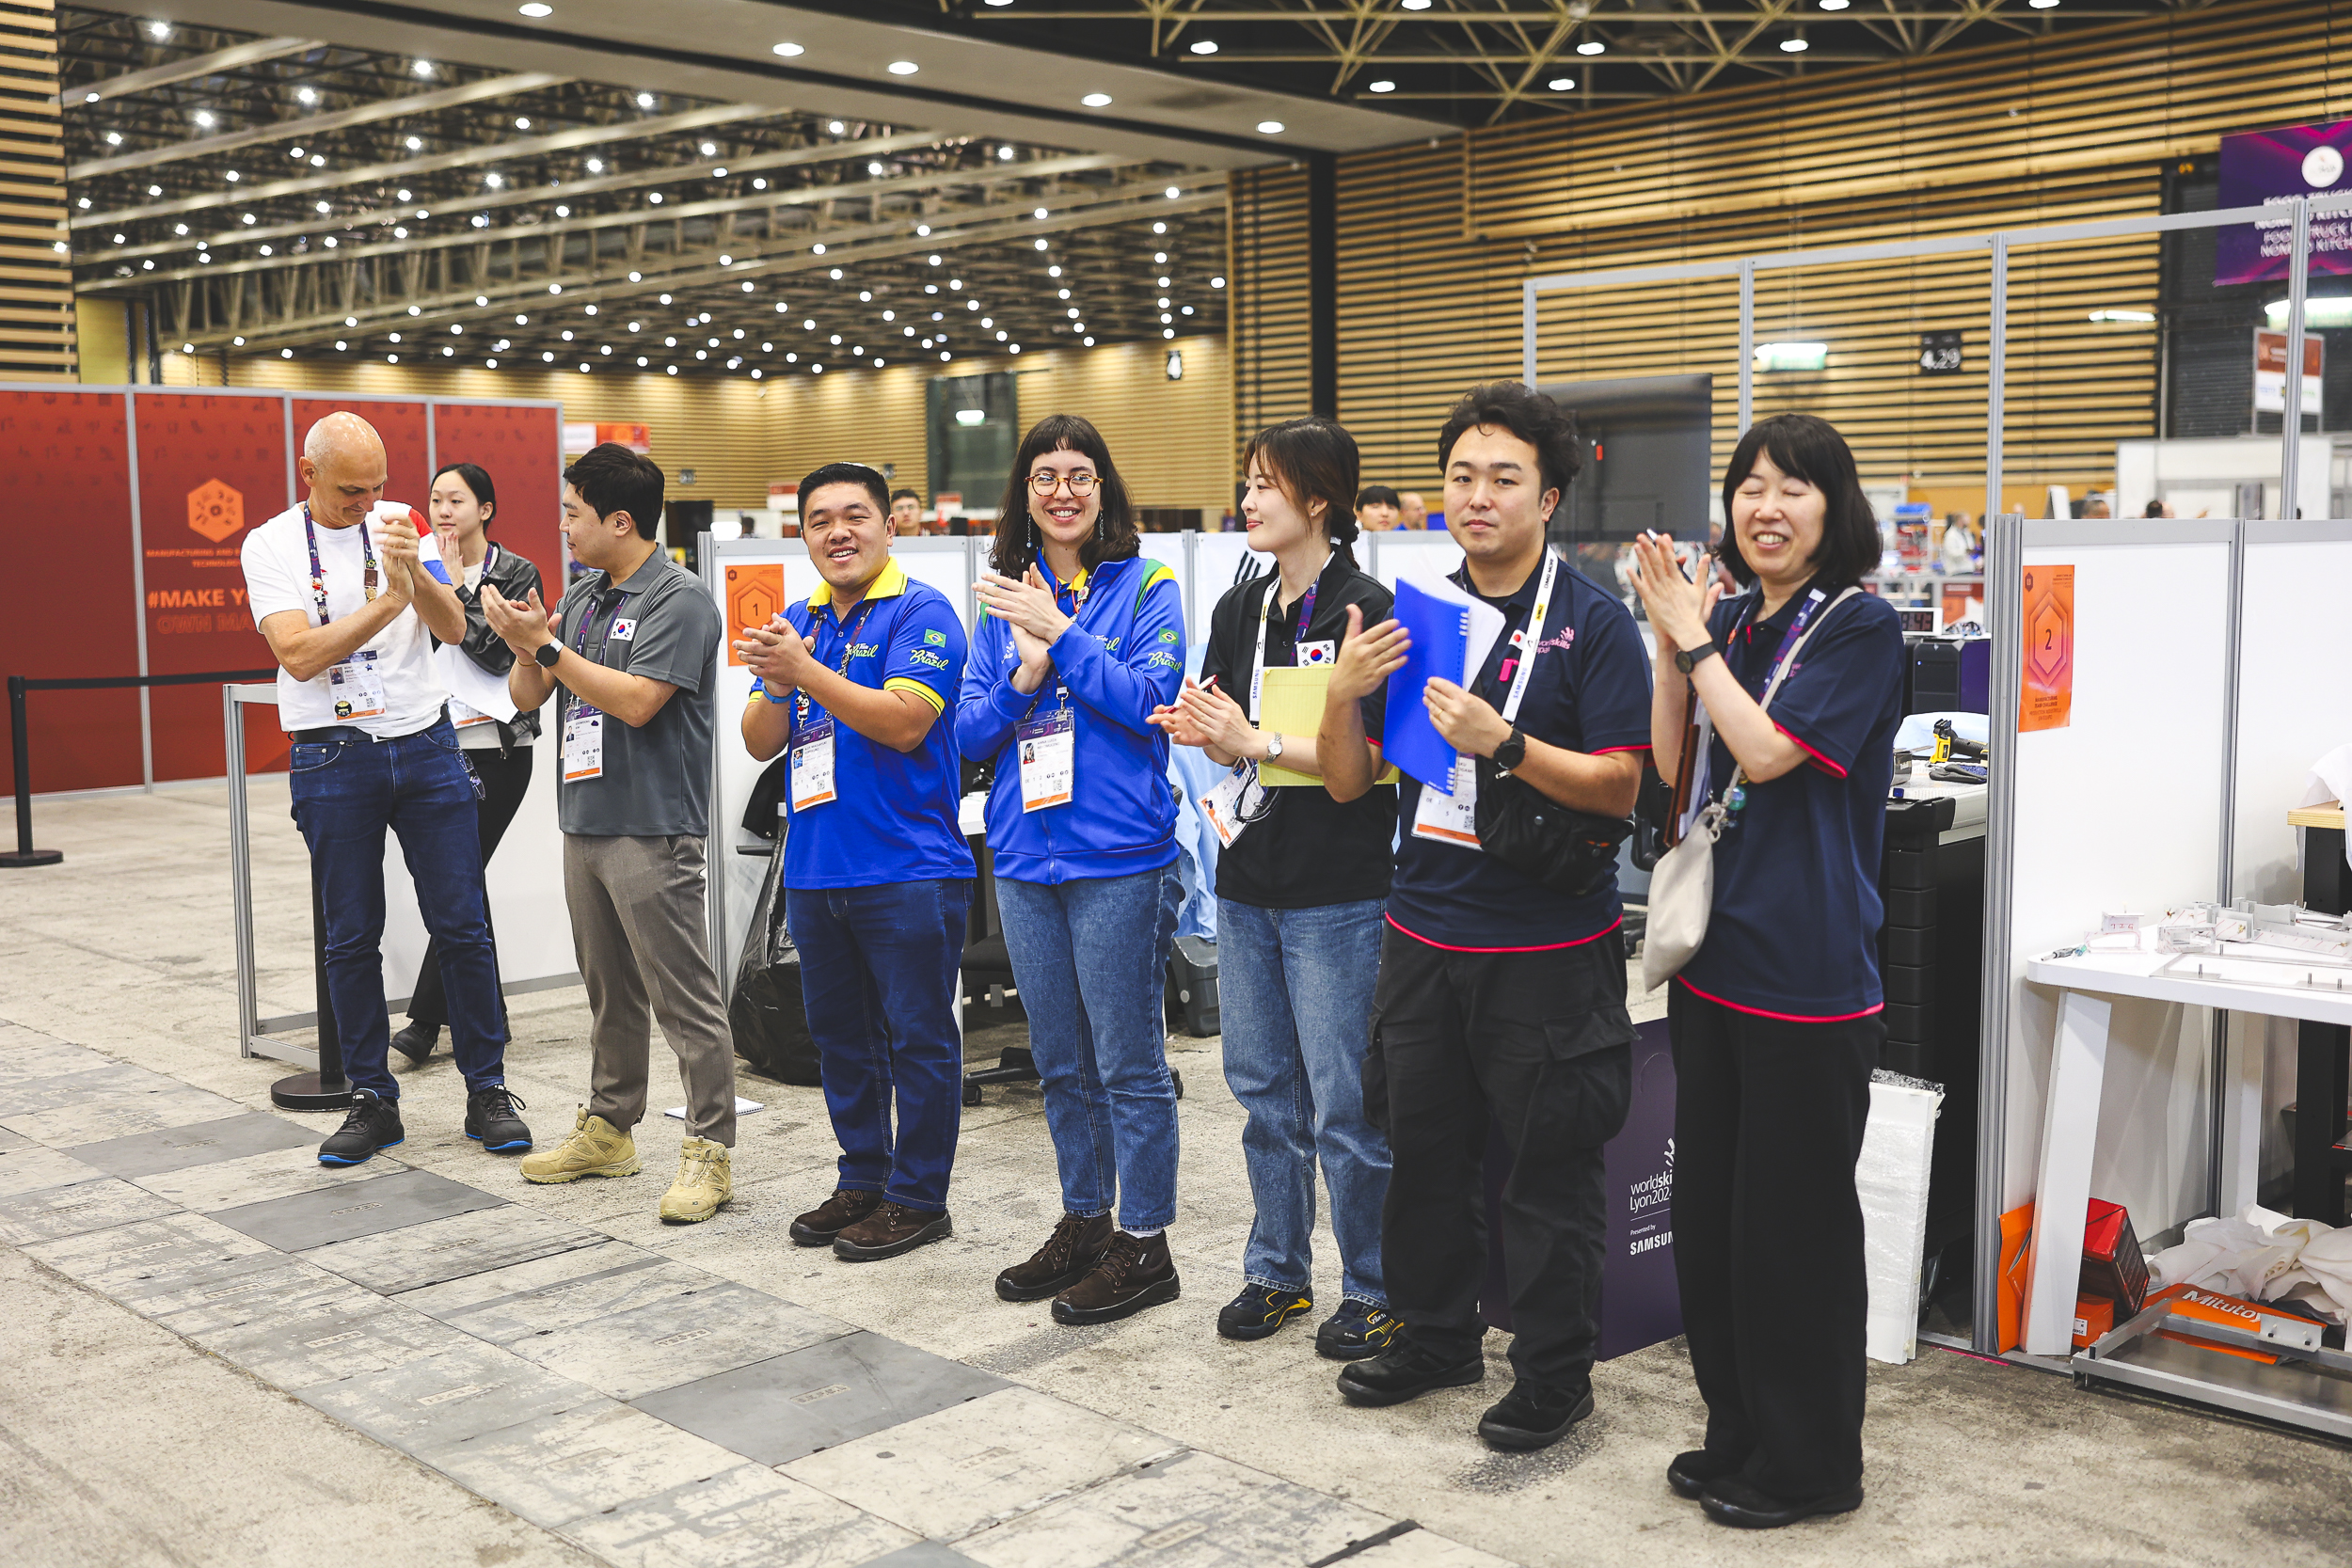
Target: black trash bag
768, 1019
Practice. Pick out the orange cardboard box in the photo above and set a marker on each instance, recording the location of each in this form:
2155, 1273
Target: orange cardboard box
2190, 1302
2016, 1238
2094, 1319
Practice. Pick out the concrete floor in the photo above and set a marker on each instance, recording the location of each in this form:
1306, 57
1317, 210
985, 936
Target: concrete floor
131, 1444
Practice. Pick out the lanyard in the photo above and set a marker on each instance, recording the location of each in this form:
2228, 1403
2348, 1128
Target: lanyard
1531, 637
849, 644
588, 618
1265, 613
1813, 601
368, 578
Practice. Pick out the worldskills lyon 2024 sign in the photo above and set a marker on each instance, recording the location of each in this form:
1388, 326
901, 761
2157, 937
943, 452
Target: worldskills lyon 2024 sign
2271, 168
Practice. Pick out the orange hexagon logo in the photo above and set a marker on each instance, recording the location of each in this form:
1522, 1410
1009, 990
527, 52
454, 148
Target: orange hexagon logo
216, 511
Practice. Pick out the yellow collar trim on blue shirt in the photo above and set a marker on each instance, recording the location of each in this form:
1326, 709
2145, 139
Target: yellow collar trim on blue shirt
890, 582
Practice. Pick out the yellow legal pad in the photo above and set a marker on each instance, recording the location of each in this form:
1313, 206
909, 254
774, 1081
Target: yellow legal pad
1291, 703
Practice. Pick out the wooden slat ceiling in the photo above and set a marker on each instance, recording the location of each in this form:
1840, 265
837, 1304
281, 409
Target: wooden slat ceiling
36, 281
1434, 243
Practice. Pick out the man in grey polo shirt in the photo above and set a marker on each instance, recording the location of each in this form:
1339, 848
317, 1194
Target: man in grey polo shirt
635, 648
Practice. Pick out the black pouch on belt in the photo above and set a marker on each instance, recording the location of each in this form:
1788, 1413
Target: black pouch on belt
1567, 850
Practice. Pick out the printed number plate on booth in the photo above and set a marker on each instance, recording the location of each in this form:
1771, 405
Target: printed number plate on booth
1049, 759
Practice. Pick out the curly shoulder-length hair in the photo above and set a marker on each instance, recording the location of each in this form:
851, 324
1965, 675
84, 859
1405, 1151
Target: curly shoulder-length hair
1114, 537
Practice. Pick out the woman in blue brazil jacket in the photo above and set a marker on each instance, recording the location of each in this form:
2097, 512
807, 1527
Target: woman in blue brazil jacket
1082, 639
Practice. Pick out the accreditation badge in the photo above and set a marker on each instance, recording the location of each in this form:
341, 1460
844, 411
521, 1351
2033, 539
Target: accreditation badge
1450, 818
583, 743
811, 771
357, 687
1048, 749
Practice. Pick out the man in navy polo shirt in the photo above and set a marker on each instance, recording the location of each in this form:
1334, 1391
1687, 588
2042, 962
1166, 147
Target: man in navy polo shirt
876, 874
1500, 1000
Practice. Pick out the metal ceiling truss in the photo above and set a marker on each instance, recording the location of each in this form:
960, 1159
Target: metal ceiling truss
472, 196
1490, 60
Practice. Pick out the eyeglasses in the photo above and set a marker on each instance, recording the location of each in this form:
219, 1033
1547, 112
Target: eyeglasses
1080, 485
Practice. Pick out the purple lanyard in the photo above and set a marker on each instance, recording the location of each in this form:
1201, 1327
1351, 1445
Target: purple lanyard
318, 572
1306, 612
848, 645
1814, 599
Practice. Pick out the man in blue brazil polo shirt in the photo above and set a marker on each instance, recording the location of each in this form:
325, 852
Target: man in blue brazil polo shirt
876, 874
1501, 1002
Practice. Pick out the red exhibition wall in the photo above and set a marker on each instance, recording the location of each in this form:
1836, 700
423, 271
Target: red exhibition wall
211, 465
67, 536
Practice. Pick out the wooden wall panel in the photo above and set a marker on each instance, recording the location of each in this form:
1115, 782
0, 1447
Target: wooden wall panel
1434, 243
36, 277
1172, 439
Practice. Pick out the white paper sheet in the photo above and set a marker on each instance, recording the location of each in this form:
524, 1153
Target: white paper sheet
471, 685
1485, 621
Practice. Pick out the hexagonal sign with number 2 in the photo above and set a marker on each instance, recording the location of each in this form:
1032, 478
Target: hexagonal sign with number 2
2048, 700
216, 511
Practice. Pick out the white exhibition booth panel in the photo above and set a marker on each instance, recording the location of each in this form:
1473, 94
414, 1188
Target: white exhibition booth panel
1397, 551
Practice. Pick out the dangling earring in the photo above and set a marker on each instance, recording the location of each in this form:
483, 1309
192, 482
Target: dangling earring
1101, 527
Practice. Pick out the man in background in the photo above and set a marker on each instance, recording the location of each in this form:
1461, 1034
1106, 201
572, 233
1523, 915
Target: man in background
1413, 512
1376, 509
905, 513
637, 655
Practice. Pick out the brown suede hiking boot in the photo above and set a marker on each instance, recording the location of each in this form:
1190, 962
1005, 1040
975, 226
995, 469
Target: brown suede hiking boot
1136, 1273
821, 1224
890, 1230
1066, 1258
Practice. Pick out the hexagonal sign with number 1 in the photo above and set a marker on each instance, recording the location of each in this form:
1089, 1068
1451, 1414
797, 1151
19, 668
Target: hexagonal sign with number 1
216, 511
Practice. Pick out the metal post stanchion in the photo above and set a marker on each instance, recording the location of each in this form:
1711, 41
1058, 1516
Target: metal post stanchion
20, 753
327, 1089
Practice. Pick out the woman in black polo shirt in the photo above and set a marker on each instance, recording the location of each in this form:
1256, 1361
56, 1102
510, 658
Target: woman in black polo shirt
1775, 1019
1300, 883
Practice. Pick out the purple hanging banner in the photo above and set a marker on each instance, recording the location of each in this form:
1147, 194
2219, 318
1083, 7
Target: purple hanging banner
2273, 167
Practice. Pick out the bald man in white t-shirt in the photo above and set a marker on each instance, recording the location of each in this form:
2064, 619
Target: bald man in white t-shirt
350, 601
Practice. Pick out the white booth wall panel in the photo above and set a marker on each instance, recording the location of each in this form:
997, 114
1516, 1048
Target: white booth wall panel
1396, 552
1175, 552
1220, 560
2293, 707
2089, 837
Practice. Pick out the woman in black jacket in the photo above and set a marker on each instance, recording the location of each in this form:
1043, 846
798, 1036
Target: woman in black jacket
463, 503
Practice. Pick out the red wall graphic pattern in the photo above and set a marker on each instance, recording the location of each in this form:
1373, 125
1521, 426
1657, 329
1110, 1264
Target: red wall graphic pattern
522, 449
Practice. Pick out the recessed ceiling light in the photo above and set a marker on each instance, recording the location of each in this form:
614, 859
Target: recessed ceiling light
423, 67
306, 95
834, 126
1836, 5
1269, 127
1004, 154
1592, 46
1384, 87
1096, 100
160, 31
2042, 4
1416, 5
710, 150
416, 144
1561, 84
536, 8
204, 118
1793, 46
903, 68
645, 101
522, 122
788, 50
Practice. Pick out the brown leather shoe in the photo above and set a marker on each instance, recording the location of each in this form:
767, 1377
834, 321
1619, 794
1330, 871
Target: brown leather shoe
890, 1230
1067, 1256
1136, 1273
829, 1219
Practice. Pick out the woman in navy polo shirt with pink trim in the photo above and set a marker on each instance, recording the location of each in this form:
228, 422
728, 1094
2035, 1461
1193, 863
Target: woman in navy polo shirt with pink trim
1775, 1019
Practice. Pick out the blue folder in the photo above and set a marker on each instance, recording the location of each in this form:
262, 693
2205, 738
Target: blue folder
1440, 646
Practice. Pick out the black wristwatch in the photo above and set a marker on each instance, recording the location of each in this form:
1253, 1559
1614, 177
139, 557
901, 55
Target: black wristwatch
1512, 751
1689, 659
549, 654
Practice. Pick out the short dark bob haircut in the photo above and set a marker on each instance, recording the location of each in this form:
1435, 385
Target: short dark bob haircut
1313, 459
476, 478
858, 474
611, 478
1017, 543
1811, 450
1379, 494
1515, 407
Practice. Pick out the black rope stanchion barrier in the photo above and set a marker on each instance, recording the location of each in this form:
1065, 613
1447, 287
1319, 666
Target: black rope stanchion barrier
19, 742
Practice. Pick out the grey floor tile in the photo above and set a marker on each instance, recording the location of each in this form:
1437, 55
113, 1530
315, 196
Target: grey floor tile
337, 1214
216, 1296
783, 1409
198, 1144
107, 1261
139, 1106
923, 1554
507, 1304
26, 1093
31, 1168
971, 1466
349, 1334
593, 1459
44, 1215
41, 1056
738, 1517
691, 1335
13, 1140
461, 1243
1194, 1510
1421, 1548
460, 1393
233, 1183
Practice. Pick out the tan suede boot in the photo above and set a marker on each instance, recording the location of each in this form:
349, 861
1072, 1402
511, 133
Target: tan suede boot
704, 1181
594, 1148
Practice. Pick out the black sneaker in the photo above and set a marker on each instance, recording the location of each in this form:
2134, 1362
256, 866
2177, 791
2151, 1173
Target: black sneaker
1259, 1310
491, 1121
370, 1124
1534, 1416
1356, 1331
1406, 1371
417, 1041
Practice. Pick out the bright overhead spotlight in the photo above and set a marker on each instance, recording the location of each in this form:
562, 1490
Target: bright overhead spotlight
876, 170
1561, 84
710, 150
536, 10
494, 179
834, 126
903, 68
2042, 4
1791, 356
2147, 317
423, 67
324, 207
1217, 282
645, 101
522, 122
1096, 101
1269, 127
203, 118
1159, 228
416, 144
595, 166
318, 160
923, 230
1004, 154
1041, 245
1836, 5
1173, 193
1415, 5
306, 95
341, 345
89, 98
159, 30
759, 185
1384, 87
788, 50
719, 173
1592, 46
154, 190
653, 198
1793, 46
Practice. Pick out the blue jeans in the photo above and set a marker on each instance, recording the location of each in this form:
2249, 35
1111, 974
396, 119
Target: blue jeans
1294, 988
346, 792
1091, 959
879, 969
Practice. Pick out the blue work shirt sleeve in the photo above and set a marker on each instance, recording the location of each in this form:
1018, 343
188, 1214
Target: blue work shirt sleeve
1847, 673
1146, 671
987, 706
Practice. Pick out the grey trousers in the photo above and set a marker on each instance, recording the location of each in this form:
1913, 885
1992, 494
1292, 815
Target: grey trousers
637, 927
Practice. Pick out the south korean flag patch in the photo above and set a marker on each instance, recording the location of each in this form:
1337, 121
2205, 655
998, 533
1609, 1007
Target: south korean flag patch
623, 631
1318, 653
